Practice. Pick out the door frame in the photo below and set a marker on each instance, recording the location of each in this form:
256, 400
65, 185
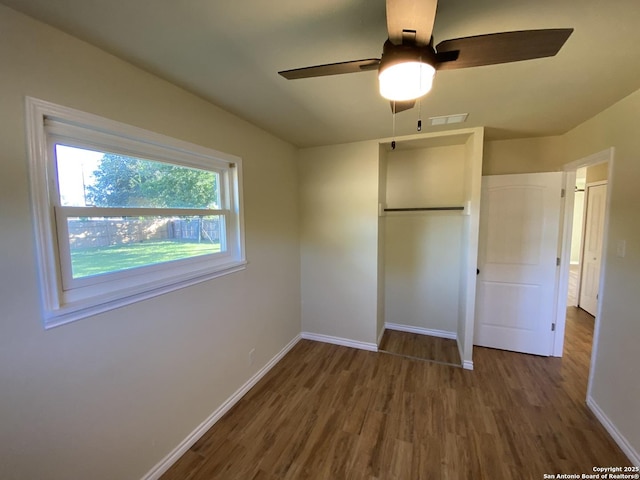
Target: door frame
565, 251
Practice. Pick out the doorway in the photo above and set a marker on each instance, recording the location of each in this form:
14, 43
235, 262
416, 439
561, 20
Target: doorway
517, 268
599, 167
586, 237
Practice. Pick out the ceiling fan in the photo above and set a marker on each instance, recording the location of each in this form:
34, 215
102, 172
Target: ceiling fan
409, 59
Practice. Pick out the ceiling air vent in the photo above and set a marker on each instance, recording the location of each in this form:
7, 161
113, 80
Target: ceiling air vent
448, 119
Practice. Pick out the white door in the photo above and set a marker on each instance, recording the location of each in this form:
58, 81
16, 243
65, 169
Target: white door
592, 250
519, 238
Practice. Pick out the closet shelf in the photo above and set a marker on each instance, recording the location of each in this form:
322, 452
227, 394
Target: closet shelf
421, 209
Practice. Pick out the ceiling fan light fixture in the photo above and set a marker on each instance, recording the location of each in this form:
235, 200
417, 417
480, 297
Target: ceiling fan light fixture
406, 80
406, 71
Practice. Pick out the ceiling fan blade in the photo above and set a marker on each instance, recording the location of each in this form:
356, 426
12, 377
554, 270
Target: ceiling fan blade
332, 69
397, 107
411, 20
502, 47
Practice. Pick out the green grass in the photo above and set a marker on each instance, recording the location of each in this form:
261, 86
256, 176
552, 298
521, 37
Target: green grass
95, 260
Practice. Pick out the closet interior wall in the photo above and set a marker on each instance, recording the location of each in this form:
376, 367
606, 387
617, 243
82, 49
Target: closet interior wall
423, 248
429, 256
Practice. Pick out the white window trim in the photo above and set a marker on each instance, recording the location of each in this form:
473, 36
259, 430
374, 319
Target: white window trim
61, 306
70, 284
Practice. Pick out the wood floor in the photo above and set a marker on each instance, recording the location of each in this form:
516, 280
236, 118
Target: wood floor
425, 347
330, 412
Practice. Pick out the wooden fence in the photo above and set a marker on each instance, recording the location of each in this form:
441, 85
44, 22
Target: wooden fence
119, 231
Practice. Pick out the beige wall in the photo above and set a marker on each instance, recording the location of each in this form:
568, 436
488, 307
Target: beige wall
598, 173
524, 155
426, 177
339, 240
474, 148
616, 388
382, 233
108, 397
423, 250
422, 270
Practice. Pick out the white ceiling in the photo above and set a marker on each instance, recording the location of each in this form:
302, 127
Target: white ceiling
229, 52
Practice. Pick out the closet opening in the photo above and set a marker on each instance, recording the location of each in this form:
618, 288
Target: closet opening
428, 217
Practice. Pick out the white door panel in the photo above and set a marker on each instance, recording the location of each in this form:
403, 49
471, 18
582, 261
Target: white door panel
519, 227
592, 253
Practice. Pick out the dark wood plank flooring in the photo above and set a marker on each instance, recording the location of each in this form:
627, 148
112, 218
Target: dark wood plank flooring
425, 347
330, 412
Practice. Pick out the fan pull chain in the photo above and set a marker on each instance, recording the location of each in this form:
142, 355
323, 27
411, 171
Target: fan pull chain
420, 105
393, 135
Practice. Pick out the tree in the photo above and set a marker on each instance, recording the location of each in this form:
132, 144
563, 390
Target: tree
122, 181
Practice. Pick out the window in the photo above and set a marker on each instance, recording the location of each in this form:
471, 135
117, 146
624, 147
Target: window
122, 214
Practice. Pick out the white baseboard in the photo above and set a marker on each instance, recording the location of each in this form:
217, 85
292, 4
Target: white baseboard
622, 442
421, 331
345, 342
466, 364
161, 467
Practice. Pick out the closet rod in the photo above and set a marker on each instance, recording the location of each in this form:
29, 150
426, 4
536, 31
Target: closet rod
419, 209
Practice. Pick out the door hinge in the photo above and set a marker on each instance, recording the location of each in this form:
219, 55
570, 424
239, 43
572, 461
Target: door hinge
553, 327
558, 261
563, 192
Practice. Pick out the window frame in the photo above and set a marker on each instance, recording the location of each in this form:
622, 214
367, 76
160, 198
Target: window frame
65, 299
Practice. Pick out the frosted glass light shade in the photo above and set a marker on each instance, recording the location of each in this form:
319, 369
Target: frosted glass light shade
406, 80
